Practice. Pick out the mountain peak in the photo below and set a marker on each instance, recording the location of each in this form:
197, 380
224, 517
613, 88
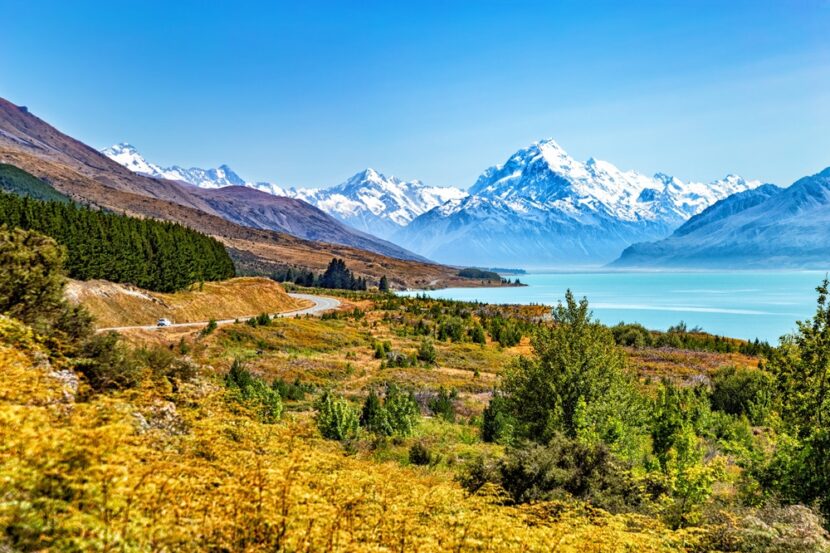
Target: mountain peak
547, 144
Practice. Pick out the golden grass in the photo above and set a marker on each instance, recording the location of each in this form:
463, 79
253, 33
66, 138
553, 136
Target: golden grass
683, 366
123, 305
90, 477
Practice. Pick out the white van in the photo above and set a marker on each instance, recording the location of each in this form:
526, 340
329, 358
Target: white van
164, 322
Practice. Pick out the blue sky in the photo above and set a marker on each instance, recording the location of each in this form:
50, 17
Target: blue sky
307, 93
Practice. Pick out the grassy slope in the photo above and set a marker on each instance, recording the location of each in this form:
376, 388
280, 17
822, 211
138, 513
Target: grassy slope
123, 305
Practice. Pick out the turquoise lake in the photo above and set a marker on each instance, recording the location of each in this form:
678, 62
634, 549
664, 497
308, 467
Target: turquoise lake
741, 304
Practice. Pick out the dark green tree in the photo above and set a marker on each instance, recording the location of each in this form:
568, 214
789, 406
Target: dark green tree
373, 416
156, 255
575, 383
383, 284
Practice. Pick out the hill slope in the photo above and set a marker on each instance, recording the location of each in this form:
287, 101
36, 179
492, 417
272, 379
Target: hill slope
22, 131
768, 227
86, 176
123, 305
17, 181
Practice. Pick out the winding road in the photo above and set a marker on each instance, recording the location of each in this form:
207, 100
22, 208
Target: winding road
321, 305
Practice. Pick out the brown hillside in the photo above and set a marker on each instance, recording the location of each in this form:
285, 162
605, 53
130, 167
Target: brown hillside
86, 176
124, 305
22, 132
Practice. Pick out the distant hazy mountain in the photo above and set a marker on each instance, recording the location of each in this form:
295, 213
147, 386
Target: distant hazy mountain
542, 207
129, 157
768, 227
369, 201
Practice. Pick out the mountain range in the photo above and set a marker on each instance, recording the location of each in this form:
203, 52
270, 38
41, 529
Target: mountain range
222, 192
767, 227
544, 208
368, 201
541, 207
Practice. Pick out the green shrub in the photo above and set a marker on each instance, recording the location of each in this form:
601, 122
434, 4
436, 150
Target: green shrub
209, 328
374, 417
419, 454
336, 418
743, 392
108, 364
632, 335
292, 391
497, 424
31, 277
402, 409
562, 468
477, 335
426, 351
505, 331
263, 319
451, 330
382, 349
252, 391
443, 404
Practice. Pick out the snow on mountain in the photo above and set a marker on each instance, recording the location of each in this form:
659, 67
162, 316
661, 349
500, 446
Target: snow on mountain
129, 157
767, 227
545, 175
368, 201
543, 207
539, 208
373, 202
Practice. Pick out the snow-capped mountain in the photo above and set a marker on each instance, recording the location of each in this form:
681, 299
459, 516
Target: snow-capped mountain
222, 192
129, 157
369, 201
768, 227
542, 207
373, 202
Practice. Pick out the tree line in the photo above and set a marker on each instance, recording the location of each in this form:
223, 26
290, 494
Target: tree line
155, 255
337, 276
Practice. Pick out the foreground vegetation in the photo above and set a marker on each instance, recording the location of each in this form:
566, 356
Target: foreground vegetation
401, 424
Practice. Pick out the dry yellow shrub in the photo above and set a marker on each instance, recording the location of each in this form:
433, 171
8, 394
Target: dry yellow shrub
104, 475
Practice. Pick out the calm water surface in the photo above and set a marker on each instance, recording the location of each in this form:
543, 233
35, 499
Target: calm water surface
742, 304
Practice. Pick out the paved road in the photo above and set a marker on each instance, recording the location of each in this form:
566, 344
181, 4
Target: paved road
321, 305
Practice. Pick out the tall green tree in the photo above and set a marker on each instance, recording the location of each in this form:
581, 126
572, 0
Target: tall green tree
575, 382
802, 369
799, 470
